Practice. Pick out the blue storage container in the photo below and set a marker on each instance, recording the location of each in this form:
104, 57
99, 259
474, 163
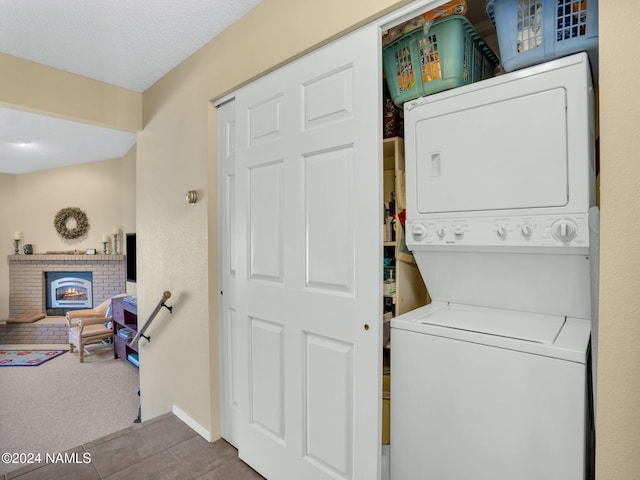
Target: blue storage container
535, 31
450, 55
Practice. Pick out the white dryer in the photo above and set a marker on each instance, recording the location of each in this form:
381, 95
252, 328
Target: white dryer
489, 381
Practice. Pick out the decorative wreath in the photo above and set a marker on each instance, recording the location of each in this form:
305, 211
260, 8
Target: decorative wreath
63, 216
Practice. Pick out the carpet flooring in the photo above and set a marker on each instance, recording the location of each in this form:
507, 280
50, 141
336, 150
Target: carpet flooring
63, 403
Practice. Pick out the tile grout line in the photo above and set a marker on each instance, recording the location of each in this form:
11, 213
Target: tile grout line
194, 475
168, 450
95, 469
133, 429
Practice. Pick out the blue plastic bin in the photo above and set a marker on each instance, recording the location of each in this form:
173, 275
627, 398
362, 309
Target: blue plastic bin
450, 55
536, 31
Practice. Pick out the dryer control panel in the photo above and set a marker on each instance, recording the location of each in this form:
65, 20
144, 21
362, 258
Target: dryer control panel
518, 231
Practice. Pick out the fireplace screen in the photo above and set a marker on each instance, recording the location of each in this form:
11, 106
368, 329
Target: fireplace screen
70, 290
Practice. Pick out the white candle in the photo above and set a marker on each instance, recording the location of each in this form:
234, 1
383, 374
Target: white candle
17, 235
105, 238
115, 230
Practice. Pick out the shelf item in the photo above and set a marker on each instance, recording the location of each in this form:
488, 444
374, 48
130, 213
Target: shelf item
125, 323
389, 273
133, 358
386, 409
126, 333
389, 288
403, 290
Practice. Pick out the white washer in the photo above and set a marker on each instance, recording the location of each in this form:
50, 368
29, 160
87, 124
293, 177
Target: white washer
487, 394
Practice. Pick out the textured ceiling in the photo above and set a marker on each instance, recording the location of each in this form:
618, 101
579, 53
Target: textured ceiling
127, 43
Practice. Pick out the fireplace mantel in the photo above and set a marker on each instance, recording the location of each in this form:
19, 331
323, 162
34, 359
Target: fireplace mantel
27, 283
39, 257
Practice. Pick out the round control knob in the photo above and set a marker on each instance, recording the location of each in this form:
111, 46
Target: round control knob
564, 230
441, 232
458, 232
502, 231
419, 231
527, 230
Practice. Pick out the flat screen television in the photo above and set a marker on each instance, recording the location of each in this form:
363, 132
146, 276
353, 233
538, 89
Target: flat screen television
131, 257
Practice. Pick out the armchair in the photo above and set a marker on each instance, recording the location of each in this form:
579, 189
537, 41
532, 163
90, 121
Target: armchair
90, 328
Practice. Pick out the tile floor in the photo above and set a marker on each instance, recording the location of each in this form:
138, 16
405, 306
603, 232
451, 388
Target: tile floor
160, 448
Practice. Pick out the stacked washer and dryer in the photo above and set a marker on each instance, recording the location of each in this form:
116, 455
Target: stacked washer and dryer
491, 380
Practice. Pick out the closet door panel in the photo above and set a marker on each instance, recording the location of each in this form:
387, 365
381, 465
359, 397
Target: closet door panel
308, 187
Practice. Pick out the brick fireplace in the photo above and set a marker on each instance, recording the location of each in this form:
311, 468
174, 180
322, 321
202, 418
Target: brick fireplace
27, 285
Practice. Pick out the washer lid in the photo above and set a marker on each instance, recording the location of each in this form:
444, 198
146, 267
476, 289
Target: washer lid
531, 327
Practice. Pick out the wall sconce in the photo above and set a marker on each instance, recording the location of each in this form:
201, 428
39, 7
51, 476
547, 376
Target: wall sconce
192, 197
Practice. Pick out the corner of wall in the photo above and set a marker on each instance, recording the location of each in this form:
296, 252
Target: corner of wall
195, 426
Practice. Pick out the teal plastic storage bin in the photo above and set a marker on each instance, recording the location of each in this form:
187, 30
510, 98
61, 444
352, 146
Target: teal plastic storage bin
450, 55
535, 31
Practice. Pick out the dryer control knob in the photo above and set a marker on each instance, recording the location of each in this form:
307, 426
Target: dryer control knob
458, 232
502, 231
564, 230
441, 232
527, 230
419, 231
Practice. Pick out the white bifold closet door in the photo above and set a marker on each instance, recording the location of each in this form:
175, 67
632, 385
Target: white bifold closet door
304, 330
232, 412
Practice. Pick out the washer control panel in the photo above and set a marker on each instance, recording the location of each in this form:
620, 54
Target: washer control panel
539, 231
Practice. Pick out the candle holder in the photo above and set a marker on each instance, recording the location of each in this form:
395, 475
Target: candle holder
104, 247
115, 244
16, 242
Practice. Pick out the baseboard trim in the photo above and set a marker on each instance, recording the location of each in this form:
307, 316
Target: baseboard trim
199, 429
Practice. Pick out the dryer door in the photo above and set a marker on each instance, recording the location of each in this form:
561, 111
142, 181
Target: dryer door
476, 154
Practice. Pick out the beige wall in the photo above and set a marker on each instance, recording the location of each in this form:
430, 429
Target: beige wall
96, 188
618, 425
45, 90
173, 254
128, 203
128, 191
102, 190
7, 229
